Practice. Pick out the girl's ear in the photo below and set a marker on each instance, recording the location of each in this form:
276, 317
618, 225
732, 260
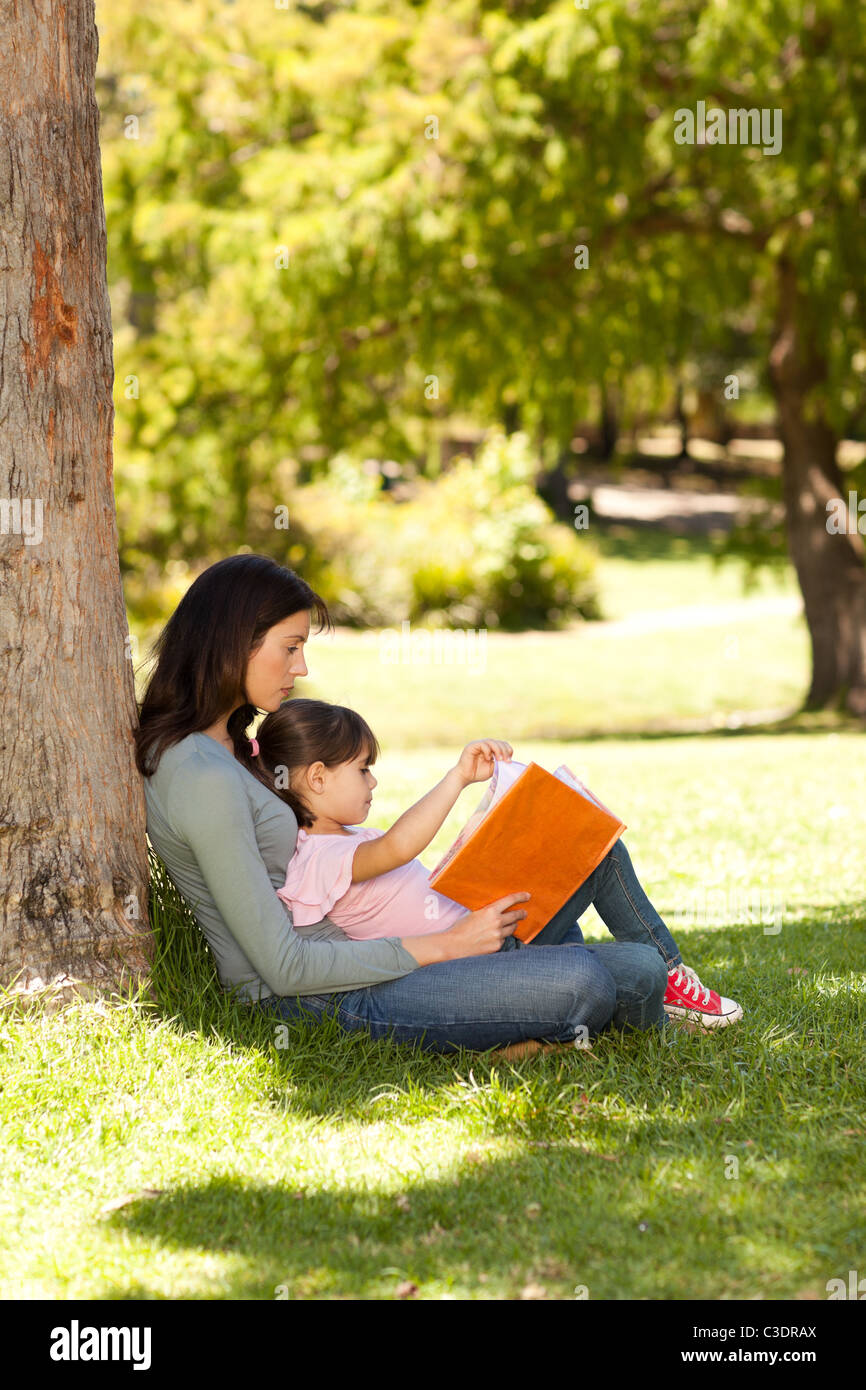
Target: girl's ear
313, 776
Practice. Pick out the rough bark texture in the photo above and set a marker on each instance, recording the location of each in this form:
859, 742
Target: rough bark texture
73, 858
830, 567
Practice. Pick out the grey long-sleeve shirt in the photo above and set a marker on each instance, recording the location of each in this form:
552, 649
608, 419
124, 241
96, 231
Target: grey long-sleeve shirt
226, 842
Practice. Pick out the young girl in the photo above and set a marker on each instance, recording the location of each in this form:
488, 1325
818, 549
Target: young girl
318, 757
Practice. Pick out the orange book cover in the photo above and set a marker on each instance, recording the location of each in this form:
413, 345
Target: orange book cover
541, 836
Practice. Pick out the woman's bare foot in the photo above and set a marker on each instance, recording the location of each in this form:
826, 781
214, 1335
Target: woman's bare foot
532, 1046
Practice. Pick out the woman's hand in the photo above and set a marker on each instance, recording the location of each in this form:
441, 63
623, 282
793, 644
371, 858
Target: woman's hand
479, 933
475, 763
482, 933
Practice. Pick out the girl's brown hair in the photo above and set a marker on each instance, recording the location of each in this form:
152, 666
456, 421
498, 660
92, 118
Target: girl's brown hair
302, 732
203, 650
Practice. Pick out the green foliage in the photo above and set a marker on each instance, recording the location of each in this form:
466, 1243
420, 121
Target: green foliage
474, 548
294, 254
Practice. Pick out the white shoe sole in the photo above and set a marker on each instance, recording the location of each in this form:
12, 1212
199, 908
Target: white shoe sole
707, 1021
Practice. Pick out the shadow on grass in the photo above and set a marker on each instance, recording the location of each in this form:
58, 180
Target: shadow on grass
794, 722
553, 1215
619, 540
611, 1152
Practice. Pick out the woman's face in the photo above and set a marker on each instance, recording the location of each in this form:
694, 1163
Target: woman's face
272, 667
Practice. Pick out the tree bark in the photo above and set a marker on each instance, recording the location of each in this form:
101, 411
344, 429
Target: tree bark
830, 567
73, 854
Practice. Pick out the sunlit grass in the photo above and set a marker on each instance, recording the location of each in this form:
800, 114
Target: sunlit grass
589, 679
176, 1151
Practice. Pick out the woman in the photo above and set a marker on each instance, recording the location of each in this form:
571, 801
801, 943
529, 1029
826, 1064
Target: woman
233, 647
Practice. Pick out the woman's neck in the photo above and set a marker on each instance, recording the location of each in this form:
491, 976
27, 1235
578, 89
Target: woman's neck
219, 731
224, 738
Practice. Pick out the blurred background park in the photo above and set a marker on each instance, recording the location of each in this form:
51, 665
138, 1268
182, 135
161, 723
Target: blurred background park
426, 301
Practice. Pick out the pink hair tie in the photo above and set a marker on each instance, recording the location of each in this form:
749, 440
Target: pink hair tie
254, 744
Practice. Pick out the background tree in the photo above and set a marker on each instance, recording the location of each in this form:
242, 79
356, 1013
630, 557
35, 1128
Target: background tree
73, 854
345, 227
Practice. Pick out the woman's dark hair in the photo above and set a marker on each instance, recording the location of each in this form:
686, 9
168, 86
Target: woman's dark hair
203, 650
301, 732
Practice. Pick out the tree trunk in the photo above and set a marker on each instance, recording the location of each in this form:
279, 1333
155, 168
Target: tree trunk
830, 567
511, 417
683, 422
608, 423
73, 854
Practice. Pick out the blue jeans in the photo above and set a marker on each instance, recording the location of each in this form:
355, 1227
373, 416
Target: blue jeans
615, 893
556, 989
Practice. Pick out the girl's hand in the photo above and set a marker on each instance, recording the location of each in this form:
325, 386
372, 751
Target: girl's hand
476, 761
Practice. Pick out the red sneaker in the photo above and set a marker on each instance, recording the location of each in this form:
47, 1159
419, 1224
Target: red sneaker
686, 997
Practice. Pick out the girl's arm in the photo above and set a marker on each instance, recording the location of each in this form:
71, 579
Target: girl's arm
416, 827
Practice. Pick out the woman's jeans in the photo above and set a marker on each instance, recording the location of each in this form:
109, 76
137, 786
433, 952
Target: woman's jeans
557, 988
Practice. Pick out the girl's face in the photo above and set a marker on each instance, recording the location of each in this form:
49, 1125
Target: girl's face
343, 793
272, 667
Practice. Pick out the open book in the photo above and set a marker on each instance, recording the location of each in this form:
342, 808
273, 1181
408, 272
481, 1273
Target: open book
533, 831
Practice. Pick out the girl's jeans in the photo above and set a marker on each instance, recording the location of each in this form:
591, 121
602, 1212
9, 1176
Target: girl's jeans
566, 992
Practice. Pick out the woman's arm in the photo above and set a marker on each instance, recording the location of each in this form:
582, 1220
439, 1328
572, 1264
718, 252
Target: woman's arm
416, 827
209, 811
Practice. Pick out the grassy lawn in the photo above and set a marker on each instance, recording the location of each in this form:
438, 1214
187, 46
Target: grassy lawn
652, 570
593, 678
178, 1150
588, 680
650, 667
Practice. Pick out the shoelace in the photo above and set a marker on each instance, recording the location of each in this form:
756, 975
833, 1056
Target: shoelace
685, 972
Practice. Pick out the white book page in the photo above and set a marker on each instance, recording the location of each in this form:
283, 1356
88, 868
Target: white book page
503, 777
566, 775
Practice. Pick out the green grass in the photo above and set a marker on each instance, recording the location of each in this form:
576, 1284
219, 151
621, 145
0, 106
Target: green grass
590, 679
587, 681
337, 1168
650, 570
